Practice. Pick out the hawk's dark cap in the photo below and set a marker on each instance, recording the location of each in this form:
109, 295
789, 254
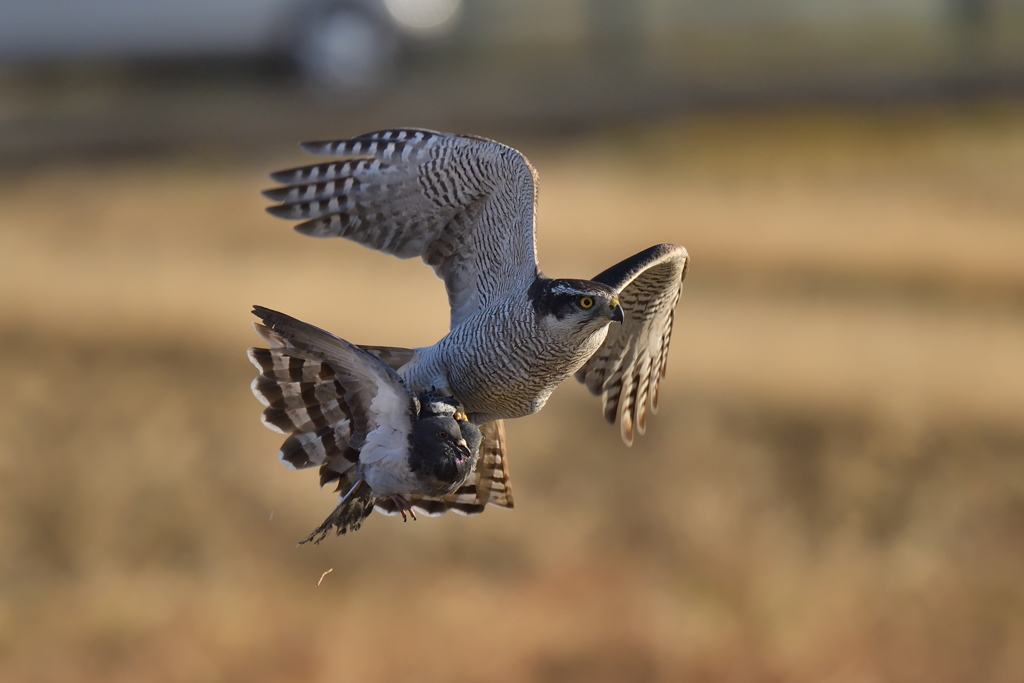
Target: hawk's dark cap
559, 297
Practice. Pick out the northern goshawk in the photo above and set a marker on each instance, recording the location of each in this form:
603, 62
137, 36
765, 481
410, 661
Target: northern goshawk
467, 206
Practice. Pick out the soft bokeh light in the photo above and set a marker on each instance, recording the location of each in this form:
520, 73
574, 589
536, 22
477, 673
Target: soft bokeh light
423, 15
832, 490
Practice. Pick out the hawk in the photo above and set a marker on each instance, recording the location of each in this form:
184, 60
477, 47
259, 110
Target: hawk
352, 415
467, 207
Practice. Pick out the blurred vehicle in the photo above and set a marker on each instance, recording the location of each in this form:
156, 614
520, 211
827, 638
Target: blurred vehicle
340, 43
735, 45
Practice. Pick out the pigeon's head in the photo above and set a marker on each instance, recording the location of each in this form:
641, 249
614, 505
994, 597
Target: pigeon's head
443, 451
575, 303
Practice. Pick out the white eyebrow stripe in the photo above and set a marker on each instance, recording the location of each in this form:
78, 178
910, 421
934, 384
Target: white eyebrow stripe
567, 289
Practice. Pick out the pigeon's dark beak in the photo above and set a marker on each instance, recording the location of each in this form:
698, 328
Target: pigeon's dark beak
617, 314
464, 449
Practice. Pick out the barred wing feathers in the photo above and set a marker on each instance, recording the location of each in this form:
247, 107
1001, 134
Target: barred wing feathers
303, 402
465, 205
630, 364
488, 484
331, 398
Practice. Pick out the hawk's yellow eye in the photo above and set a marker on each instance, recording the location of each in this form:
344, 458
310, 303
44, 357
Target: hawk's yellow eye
586, 302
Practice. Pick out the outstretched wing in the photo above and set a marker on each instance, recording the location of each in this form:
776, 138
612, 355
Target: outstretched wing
330, 397
628, 367
489, 482
465, 205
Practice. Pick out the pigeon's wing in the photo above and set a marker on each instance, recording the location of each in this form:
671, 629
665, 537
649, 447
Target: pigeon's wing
626, 370
488, 484
336, 403
465, 205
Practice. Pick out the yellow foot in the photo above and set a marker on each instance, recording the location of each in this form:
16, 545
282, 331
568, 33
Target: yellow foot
446, 392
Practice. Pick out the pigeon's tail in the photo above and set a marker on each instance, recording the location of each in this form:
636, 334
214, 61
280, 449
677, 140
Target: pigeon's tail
355, 506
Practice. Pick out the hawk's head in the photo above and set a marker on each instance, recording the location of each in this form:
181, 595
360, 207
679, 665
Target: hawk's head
576, 302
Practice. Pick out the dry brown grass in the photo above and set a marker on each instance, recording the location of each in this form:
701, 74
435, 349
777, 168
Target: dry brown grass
833, 490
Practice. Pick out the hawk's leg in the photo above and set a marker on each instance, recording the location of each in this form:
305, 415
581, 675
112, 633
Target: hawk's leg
446, 391
443, 392
403, 506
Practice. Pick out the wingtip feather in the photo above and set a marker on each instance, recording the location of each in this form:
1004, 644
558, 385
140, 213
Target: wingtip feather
284, 461
318, 147
286, 211
626, 430
288, 176
254, 387
271, 426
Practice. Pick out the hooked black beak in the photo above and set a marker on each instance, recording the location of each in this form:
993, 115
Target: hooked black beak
618, 315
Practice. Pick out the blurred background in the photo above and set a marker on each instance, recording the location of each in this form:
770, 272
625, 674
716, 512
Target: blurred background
833, 490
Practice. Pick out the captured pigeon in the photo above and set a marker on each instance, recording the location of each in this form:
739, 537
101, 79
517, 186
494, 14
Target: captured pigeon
347, 412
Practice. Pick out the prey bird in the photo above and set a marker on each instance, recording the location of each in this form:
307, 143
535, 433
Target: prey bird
467, 207
347, 412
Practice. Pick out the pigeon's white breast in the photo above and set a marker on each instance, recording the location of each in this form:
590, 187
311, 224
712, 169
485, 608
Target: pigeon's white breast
384, 462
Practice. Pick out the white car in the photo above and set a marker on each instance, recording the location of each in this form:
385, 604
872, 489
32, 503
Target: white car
341, 43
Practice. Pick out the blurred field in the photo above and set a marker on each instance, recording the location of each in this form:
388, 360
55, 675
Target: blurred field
833, 489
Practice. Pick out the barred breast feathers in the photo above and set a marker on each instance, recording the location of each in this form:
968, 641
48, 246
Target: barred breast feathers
503, 362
